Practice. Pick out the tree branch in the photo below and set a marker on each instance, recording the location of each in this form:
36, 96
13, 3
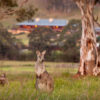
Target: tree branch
24, 2
6, 12
96, 21
80, 4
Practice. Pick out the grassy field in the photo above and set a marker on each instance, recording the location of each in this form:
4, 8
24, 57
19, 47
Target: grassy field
22, 79
23, 38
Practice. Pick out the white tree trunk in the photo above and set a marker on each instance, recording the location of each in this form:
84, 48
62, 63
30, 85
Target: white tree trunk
88, 50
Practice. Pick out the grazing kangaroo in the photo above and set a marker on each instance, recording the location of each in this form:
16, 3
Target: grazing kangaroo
44, 82
3, 79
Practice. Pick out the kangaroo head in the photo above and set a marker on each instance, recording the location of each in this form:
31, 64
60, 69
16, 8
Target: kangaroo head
40, 56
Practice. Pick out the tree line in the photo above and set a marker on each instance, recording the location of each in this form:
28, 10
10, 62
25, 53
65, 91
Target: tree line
61, 5
59, 45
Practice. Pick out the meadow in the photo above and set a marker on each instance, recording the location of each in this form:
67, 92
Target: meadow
21, 85
23, 38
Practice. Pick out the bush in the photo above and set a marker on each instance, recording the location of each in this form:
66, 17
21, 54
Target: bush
64, 47
7, 45
55, 56
71, 41
60, 46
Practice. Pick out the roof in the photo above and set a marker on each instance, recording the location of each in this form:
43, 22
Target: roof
97, 29
45, 22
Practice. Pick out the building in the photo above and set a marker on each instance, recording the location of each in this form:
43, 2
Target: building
28, 26
55, 24
97, 29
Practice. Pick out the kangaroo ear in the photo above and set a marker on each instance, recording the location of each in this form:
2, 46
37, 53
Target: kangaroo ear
44, 52
37, 52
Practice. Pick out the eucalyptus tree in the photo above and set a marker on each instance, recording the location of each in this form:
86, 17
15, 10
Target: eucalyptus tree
88, 51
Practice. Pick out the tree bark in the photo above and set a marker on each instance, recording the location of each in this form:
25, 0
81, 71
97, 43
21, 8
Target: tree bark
88, 50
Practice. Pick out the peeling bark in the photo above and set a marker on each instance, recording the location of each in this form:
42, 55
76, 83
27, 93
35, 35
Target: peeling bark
88, 50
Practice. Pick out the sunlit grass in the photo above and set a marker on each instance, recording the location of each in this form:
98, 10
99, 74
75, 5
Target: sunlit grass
22, 83
23, 38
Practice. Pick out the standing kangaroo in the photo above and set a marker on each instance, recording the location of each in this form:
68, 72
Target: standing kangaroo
44, 82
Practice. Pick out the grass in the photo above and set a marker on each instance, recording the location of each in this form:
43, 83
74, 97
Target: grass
22, 79
23, 38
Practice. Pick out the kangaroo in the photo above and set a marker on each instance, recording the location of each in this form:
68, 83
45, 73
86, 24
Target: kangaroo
3, 79
44, 82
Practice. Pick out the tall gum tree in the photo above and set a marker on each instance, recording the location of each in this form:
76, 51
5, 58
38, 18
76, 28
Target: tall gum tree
88, 49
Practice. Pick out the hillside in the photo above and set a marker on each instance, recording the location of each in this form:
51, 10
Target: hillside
52, 9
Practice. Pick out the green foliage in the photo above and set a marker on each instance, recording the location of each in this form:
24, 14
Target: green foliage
8, 3
11, 8
74, 26
98, 39
68, 45
56, 56
7, 44
26, 13
71, 41
60, 46
26, 55
42, 38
